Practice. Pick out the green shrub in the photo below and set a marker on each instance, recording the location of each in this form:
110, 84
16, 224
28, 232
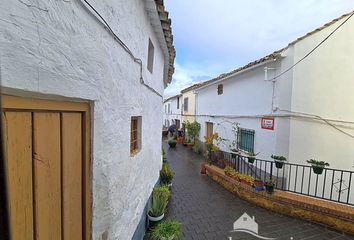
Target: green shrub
167, 230
193, 130
166, 175
164, 158
160, 197
197, 148
171, 140
318, 163
278, 158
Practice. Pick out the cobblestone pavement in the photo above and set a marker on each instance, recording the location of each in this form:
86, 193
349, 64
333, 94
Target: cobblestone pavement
208, 211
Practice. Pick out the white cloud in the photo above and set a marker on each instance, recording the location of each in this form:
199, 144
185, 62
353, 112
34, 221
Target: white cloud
185, 76
216, 36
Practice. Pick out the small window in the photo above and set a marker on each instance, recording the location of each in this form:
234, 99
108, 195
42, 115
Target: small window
169, 108
209, 129
135, 135
220, 89
165, 108
177, 102
246, 139
185, 105
150, 64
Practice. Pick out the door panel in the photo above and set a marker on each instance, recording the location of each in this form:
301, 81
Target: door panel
48, 153
18, 147
47, 171
72, 175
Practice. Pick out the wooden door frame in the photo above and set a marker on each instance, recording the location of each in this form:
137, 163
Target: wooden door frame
14, 103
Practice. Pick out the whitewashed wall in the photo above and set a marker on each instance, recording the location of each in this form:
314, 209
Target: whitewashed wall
174, 113
323, 85
58, 49
246, 95
189, 115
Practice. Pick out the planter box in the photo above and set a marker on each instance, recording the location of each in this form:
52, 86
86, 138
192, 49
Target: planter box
334, 215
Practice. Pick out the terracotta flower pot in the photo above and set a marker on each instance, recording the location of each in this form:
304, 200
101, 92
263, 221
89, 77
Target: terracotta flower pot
202, 168
190, 145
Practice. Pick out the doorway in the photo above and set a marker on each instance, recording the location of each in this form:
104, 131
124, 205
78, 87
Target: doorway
47, 147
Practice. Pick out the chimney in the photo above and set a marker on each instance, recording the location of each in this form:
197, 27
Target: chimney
253, 218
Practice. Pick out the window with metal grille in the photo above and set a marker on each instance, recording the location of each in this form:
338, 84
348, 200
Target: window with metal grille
150, 63
220, 89
185, 105
246, 139
135, 135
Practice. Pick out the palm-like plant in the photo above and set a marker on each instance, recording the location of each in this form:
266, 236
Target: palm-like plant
160, 197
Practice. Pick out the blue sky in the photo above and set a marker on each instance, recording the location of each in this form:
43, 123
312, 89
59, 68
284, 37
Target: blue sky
216, 36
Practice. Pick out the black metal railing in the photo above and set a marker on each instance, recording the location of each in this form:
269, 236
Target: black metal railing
333, 184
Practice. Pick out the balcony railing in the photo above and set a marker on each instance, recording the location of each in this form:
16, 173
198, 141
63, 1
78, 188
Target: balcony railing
333, 184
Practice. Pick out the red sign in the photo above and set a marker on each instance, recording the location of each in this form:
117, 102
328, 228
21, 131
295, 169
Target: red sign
268, 123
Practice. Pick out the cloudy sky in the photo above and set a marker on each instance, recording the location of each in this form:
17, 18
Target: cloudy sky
216, 36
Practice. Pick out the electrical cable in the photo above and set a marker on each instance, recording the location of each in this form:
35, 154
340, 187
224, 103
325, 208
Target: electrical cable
291, 114
320, 118
314, 49
124, 46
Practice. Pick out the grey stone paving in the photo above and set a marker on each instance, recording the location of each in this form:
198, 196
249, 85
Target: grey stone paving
208, 211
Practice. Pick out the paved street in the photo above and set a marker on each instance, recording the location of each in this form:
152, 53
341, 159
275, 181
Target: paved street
207, 211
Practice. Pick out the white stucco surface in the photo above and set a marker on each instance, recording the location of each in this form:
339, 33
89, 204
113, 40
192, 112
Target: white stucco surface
58, 48
171, 113
323, 86
246, 97
189, 115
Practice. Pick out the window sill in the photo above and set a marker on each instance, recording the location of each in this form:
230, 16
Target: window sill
134, 153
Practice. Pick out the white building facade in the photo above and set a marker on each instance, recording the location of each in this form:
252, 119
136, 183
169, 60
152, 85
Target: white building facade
62, 51
172, 109
299, 112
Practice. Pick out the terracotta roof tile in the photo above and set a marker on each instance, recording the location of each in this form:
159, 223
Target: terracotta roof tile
272, 55
167, 29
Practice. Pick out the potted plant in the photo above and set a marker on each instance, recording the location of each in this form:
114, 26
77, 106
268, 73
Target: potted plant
279, 161
234, 152
172, 143
269, 186
231, 172
160, 197
258, 184
249, 180
186, 141
317, 166
190, 144
202, 168
166, 175
233, 144
193, 130
164, 158
211, 148
167, 230
197, 148
251, 157
179, 139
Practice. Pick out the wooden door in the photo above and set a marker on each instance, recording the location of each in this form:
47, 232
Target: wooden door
209, 129
47, 150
